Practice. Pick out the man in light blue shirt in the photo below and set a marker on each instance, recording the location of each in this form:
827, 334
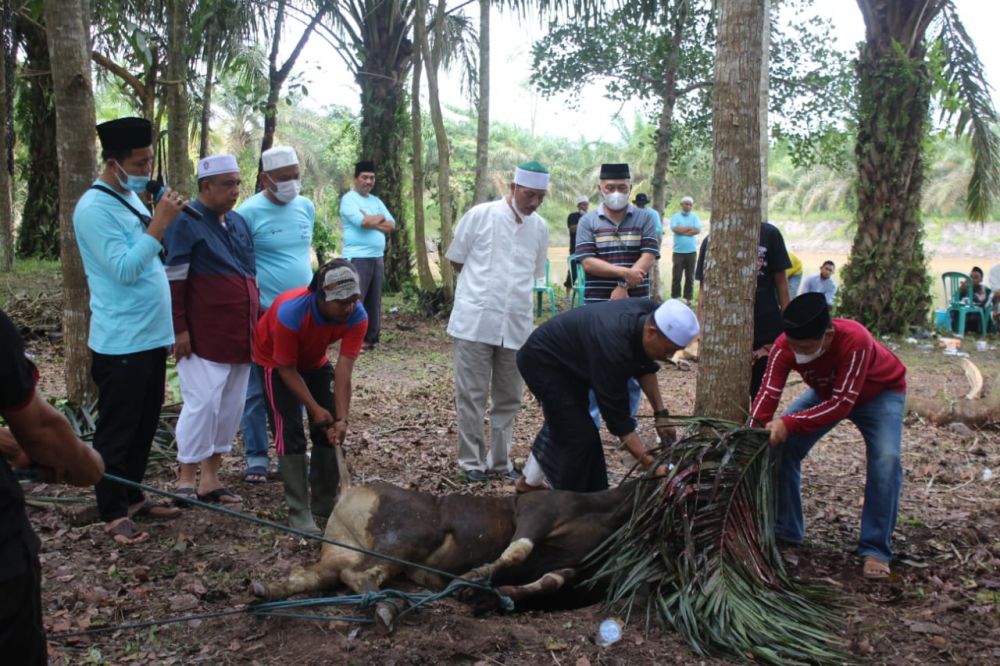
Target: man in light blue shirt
685, 226
281, 225
130, 326
367, 223
822, 283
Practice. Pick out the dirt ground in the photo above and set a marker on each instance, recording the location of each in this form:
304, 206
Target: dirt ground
942, 605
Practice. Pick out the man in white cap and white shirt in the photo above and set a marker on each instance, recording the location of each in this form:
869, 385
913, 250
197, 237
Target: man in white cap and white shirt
597, 348
281, 225
498, 251
213, 288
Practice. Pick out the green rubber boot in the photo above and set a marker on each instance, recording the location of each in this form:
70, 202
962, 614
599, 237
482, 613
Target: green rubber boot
293, 473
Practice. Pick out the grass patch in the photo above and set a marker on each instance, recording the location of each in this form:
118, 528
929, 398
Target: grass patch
29, 276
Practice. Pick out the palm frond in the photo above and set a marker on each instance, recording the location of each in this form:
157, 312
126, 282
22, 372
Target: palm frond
698, 554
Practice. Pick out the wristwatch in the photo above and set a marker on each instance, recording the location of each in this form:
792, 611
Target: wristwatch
623, 284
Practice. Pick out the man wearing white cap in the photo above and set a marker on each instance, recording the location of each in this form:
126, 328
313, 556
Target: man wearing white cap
211, 269
685, 226
597, 348
498, 251
281, 225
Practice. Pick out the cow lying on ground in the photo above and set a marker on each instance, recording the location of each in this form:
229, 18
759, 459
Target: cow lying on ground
526, 545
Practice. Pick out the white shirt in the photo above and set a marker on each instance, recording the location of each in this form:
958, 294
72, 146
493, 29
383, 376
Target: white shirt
501, 259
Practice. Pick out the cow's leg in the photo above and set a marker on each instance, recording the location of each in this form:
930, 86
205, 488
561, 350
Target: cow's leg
309, 579
550, 582
369, 581
515, 553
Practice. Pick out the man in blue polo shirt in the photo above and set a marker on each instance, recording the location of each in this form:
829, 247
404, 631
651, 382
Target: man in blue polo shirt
367, 223
281, 225
685, 226
130, 329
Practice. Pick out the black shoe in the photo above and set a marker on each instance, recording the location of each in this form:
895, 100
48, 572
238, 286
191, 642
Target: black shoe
474, 475
514, 474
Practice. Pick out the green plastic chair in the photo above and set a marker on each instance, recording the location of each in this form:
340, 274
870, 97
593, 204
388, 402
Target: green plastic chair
962, 305
579, 281
541, 290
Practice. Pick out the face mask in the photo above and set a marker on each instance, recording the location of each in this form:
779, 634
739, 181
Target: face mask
615, 200
802, 359
132, 183
286, 190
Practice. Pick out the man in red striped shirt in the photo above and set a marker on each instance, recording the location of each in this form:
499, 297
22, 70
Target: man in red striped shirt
850, 375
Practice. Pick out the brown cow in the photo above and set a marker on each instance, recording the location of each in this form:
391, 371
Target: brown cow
526, 544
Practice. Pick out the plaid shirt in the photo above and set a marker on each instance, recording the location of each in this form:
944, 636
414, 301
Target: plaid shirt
618, 244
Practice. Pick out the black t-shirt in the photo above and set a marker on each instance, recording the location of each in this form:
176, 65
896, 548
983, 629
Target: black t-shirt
772, 258
17, 387
572, 220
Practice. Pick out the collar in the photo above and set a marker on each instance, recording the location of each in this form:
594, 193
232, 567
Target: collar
317, 315
603, 212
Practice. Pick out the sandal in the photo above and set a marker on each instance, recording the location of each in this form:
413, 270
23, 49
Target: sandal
875, 569
154, 511
126, 533
255, 474
220, 496
184, 492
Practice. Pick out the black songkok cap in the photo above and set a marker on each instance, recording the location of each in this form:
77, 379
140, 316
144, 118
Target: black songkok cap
365, 166
614, 172
641, 198
806, 317
125, 134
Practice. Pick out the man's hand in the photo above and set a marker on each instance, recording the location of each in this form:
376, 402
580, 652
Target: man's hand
664, 428
633, 276
618, 293
779, 432
167, 209
338, 433
182, 345
321, 417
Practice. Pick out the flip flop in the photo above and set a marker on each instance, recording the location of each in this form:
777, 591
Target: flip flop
184, 492
127, 533
875, 569
220, 496
255, 474
155, 511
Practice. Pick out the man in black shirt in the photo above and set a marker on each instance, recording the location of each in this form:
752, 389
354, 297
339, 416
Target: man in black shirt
770, 299
572, 220
597, 348
40, 436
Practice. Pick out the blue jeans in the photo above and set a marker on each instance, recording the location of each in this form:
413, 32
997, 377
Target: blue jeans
634, 397
880, 421
254, 422
793, 285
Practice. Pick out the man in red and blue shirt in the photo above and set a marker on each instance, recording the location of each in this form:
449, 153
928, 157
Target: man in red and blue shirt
290, 345
852, 376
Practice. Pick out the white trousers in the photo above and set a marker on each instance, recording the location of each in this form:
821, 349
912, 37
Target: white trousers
214, 395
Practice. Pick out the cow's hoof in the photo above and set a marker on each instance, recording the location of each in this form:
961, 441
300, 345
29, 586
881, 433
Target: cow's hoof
385, 617
259, 589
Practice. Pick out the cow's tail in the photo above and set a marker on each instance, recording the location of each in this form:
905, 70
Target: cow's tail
343, 472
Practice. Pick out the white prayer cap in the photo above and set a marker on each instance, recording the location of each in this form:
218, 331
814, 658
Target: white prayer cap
216, 164
532, 175
676, 321
582, 199
277, 157
685, 200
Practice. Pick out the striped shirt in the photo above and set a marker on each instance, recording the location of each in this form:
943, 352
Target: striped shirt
618, 244
855, 369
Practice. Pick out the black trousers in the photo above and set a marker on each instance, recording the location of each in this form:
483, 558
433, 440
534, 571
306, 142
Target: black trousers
371, 275
129, 400
22, 634
568, 446
284, 411
683, 265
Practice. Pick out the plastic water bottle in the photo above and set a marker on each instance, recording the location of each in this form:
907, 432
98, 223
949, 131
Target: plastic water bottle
609, 632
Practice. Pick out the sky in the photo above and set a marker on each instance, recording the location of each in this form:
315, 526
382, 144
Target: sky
513, 102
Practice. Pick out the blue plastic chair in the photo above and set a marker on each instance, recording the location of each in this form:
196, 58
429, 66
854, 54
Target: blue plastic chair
579, 281
963, 304
541, 290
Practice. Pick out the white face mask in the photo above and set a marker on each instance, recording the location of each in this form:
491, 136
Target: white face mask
286, 190
802, 359
615, 200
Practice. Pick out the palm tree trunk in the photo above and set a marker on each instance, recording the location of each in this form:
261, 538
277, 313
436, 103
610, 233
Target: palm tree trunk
885, 281
206, 97
433, 60
178, 159
419, 238
38, 236
731, 266
66, 22
7, 138
483, 107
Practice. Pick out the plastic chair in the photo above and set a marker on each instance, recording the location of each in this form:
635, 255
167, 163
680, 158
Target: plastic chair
962, 305
579, 281
541, 290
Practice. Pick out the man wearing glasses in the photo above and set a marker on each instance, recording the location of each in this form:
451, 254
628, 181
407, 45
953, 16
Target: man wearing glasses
213, 287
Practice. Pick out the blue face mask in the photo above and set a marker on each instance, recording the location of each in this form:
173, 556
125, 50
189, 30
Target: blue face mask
132, 183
